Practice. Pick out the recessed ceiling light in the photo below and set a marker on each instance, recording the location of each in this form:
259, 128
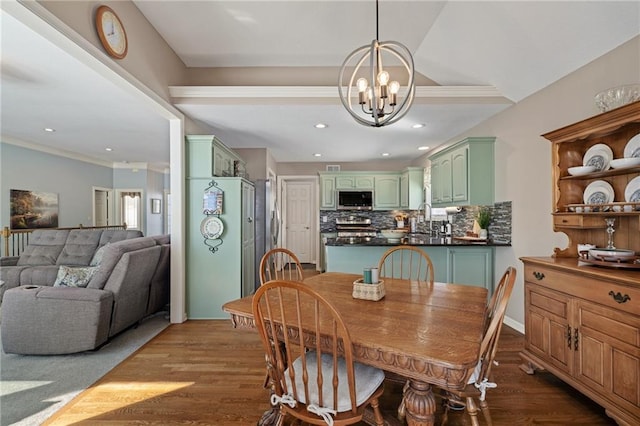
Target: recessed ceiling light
385, 154
108, 149
418, 126
317, 154
423, 148
321, 126
49, 129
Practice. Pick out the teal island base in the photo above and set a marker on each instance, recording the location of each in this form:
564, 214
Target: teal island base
460, 264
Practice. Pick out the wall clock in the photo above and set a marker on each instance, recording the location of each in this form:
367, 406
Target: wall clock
111, 32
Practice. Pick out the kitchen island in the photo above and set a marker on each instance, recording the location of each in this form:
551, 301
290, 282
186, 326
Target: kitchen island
459, 261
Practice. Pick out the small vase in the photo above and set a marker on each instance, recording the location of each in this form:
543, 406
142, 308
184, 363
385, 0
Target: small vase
482, 234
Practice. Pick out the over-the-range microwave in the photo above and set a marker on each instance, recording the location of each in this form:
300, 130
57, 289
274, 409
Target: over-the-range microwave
355, 200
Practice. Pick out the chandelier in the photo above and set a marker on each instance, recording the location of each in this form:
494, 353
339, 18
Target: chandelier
378, 97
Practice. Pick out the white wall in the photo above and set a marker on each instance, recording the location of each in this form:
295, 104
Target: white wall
523, 157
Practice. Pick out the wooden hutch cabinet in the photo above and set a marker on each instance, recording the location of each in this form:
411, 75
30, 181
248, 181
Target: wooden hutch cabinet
582, 317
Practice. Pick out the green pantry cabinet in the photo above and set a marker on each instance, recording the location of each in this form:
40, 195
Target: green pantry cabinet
214, 278
463, 174
391, 190
460, 264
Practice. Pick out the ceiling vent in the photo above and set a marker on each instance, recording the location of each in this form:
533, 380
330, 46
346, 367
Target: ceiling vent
333, 168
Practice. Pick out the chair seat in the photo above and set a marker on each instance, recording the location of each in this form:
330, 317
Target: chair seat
368, 380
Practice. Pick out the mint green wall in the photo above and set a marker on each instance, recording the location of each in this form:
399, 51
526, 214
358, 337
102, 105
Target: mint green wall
72, 180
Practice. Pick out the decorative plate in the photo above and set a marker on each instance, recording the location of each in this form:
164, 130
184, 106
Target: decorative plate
211, 227
632, 191
599, 192
599, 155
632, 148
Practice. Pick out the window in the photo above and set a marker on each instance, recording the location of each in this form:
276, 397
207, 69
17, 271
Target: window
131, 209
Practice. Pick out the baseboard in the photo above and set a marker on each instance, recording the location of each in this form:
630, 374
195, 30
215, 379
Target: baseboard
517, 326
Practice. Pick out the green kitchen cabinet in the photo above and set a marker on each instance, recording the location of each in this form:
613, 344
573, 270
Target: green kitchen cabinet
471, 266
327, 192
214, 277
386, 195
207, 156
412, 188
463, 264
354, 181
464, 173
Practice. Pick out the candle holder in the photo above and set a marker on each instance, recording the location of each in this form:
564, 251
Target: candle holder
610, 221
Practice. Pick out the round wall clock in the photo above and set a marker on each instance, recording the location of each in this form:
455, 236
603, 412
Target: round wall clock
111, 32
211, 227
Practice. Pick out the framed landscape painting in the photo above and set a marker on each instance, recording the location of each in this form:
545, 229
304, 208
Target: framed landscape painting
33, 209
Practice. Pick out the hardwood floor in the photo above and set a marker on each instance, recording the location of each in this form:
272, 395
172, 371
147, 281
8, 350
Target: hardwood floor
207, 373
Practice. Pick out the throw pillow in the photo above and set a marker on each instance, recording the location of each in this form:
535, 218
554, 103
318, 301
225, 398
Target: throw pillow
97, 256
74, 277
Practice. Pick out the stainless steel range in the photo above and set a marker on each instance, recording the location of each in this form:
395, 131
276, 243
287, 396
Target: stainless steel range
354, 229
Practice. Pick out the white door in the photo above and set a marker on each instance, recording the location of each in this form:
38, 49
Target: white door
299, 220
101, 206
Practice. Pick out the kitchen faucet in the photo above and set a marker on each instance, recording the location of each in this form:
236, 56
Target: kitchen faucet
425, 205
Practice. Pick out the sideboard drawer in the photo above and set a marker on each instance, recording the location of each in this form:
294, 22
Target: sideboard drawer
609, 293
574, 220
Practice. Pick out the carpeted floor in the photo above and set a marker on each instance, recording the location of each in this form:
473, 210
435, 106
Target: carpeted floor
32, 388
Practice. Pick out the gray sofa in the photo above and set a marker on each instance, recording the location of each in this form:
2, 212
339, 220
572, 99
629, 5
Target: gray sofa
70, 291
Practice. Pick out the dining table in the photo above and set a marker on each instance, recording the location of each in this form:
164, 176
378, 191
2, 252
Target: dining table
428, 333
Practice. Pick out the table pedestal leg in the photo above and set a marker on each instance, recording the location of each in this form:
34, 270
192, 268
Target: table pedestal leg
420, 404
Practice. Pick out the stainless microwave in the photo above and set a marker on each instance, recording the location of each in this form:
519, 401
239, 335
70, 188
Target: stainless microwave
355, 200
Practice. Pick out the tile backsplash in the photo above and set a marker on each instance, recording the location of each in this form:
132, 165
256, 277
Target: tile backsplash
499, 228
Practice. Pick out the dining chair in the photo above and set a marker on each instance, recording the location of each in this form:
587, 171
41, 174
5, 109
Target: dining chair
406, 262
410, 263
478, 382
280, 264
314, 339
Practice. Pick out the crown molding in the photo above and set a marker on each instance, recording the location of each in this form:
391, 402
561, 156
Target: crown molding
54, 151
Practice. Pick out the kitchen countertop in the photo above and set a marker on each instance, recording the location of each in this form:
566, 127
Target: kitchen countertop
413, 240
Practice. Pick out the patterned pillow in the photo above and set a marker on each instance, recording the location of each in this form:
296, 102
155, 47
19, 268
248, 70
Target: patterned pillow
74, 277
97, 256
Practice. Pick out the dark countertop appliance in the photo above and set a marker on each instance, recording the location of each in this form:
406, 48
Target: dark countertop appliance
355, 200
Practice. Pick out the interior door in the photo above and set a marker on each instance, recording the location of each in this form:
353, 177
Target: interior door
101, 201
298, 220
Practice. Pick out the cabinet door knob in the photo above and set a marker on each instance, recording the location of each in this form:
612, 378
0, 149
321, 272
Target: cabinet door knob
618, 297
539, 275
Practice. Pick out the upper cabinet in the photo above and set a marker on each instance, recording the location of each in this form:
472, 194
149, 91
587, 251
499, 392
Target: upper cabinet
391, 190
354, 182
327, 192
582, 201
208, 156
463, 174
386, 192
412, 188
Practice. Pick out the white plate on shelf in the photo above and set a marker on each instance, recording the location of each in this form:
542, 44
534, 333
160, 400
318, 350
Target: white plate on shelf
599, 192
599, 155
632, 148
632, 191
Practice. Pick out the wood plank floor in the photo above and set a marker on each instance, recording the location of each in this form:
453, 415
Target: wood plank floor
207, 373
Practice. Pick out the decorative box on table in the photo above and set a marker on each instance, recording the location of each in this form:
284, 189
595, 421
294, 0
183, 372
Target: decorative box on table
368, 291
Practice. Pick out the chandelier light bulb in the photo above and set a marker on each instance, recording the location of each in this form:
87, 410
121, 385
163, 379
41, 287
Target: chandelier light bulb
383, 78
362, 84
394, 87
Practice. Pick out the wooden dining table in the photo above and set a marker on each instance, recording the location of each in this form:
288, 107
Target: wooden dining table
427, 333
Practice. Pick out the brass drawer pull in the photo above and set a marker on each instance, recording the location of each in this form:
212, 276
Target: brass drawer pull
618, 297
538, 275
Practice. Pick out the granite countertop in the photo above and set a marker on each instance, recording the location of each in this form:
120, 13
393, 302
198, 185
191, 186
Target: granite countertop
413, 240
